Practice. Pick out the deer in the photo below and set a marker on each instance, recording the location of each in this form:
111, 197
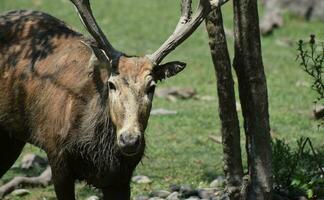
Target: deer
79, 99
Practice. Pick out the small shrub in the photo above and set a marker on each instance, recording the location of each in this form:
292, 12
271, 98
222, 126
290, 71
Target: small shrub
297, 171
311, 59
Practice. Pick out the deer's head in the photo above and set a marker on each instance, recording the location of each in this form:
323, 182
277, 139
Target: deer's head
131, 88
132, 80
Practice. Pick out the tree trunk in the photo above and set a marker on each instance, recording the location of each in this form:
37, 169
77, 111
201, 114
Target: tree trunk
254, 98
227, 105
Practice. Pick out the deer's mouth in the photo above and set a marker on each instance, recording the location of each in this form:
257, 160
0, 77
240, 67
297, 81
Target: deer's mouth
130, 153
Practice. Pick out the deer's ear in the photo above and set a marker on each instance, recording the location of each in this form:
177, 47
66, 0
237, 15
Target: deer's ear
167, 70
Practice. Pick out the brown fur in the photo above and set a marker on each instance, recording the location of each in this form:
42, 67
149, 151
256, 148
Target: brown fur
52, 96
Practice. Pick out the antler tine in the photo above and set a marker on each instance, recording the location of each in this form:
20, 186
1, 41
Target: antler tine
84, 10
186, 12
186, 26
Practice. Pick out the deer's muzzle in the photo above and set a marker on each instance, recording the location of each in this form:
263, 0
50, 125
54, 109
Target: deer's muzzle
129, 143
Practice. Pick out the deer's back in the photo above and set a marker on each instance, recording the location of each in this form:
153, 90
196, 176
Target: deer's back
43, 74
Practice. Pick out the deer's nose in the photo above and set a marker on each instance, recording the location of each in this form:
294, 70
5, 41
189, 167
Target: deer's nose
129, 143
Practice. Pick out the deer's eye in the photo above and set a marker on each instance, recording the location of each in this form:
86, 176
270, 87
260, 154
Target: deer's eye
111, 86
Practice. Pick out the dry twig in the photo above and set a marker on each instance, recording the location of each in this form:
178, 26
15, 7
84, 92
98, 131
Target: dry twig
20, 181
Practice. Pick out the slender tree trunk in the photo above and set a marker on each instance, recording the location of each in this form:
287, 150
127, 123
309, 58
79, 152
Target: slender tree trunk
254, 98
227, 105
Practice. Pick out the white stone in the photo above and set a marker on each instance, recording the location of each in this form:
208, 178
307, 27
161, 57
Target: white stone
20, 192
141, 179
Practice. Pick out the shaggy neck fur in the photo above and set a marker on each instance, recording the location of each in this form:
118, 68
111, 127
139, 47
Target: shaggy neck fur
96, 143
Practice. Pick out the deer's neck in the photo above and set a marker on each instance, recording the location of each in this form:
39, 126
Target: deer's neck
96, 144
96, 140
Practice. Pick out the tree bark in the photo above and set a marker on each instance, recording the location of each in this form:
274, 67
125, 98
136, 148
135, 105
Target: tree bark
254, 98
227, 105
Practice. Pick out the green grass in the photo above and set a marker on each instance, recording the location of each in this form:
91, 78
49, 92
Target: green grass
178, 148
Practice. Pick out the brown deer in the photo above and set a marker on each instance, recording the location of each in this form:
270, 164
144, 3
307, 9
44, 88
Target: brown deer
83, 102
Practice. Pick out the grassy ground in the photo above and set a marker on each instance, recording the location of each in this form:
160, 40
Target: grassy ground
178, 149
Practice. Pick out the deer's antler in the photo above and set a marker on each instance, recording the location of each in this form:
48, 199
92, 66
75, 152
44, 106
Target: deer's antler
84, 9
186, 26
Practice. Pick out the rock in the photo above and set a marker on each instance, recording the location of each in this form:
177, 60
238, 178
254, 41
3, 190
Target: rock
94, 197
218, 182
173, 196
160, 193
308, 9
20, 192
141, 198
220, 197
30, 160
174, 93
187, 191
174, 188
318, 11
184, 188
141, 179
301, 198
224, 197
156, 198
161, 111
272, 18
193, 198
206, 194
219, 193
318, 111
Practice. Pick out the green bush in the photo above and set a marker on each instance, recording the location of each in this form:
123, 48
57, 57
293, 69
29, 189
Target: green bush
298, 171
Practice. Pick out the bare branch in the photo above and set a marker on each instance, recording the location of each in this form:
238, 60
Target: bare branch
84, 10
20, 181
